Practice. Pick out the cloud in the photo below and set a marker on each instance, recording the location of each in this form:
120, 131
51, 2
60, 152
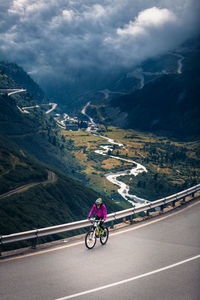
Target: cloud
147, 19
64, 39
152, 32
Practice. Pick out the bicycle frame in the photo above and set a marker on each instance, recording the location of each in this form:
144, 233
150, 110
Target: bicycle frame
96, 227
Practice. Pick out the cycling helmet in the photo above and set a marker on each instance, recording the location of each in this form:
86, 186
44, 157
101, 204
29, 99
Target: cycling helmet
99, 201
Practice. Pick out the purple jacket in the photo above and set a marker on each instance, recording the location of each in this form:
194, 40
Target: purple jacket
101, 212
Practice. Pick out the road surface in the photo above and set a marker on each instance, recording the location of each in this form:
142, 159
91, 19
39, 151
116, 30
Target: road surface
155, 260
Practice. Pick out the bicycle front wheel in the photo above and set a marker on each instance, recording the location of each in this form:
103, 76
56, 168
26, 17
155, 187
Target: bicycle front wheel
90, 239
104, 238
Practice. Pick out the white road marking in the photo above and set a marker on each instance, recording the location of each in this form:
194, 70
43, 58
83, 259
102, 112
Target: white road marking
130, 279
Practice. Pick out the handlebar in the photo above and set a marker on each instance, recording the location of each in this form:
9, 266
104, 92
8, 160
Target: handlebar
92, 220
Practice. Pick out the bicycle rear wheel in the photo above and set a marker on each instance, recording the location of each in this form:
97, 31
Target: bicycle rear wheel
90, 239
104, 239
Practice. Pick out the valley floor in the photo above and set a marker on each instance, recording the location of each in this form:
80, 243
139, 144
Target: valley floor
171, 166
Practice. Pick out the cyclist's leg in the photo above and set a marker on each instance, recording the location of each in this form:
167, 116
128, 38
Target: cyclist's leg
101, 225
103, 228
97, 218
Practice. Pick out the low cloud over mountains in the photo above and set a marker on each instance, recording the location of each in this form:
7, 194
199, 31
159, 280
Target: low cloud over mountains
58, 38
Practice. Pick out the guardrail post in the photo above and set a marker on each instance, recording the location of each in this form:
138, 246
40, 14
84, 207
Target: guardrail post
162, 207
112, 222
131, 217
112, 225
183, 201
174, 203
34, 241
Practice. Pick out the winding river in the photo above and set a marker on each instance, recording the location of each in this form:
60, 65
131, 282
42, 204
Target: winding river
113, 177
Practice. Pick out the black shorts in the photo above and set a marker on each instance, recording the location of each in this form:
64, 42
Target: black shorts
101, 223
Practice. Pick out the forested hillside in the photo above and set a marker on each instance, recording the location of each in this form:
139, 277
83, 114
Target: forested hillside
31, 145
17, 168
35, 132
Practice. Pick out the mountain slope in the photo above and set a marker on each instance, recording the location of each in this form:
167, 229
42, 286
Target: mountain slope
17, 74
35, 132
169, 104
17, 168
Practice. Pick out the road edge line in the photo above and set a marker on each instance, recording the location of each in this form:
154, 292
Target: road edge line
130, 279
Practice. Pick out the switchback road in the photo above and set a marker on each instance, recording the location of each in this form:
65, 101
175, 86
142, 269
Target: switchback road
11, 91
155, 260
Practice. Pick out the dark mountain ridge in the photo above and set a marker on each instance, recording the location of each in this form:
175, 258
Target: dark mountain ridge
169, 104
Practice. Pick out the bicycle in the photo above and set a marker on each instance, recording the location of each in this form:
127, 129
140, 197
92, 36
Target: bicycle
96, 232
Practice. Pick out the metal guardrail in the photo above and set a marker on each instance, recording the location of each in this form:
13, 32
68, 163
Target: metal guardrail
37, 233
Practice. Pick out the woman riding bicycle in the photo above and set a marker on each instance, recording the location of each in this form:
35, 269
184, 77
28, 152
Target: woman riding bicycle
101, 212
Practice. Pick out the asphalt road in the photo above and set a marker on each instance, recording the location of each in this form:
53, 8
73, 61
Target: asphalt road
158, 259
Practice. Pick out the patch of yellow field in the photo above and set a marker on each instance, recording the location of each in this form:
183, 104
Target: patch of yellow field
193, 155
125, 135
90, 171
165, 171
83, 139
154, 166
178, 181
111, 163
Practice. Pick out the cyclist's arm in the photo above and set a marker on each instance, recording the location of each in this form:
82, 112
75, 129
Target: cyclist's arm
92, 211
104, 212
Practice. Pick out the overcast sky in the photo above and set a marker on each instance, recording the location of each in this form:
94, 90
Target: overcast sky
60, 36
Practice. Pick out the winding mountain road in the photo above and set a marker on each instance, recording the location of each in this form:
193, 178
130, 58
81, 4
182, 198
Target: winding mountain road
12, 91
158, 259
51, 178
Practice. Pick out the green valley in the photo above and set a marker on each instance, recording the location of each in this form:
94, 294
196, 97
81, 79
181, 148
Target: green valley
171, 165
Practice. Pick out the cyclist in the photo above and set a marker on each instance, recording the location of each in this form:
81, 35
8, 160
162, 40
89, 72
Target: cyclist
101, 212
